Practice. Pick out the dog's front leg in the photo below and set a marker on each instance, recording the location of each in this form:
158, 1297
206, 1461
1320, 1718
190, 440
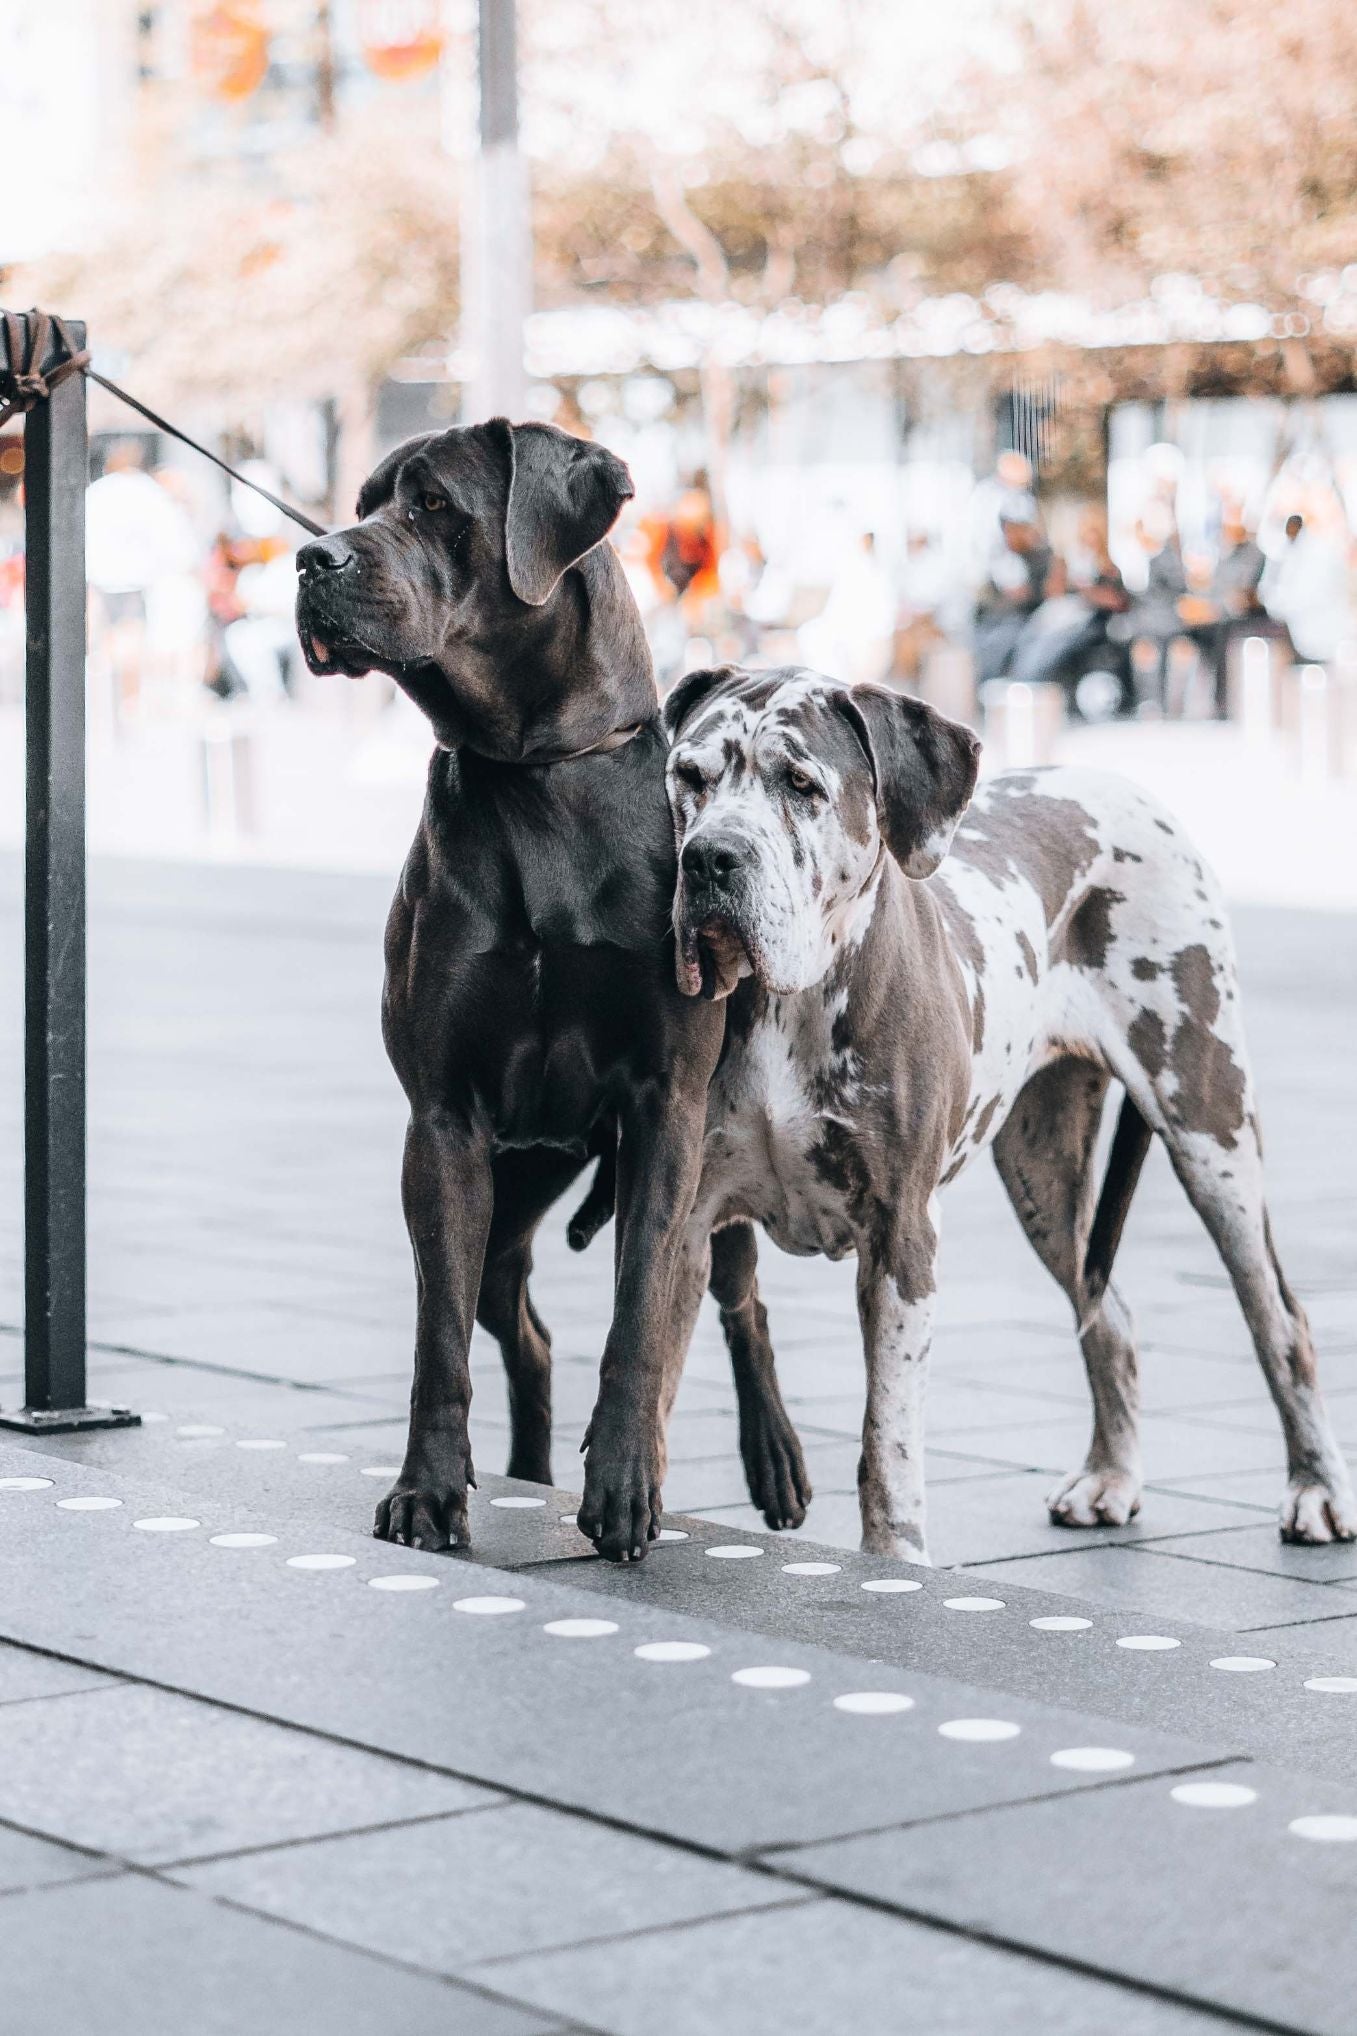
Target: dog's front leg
448, 1195
658, 1165
896, 1289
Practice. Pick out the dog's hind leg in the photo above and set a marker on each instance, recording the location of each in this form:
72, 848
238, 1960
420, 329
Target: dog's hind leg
1045, 1154
526, 1184
773, 1463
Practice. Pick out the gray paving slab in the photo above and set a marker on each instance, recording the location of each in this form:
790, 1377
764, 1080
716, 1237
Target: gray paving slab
404, 1672
1262, 1548
1174, 1445
1003, 1516
1229, 1906
153, 1776
1181, 1587
24, 1675
447, 1896
135, 1957
30, 1862
824, 1968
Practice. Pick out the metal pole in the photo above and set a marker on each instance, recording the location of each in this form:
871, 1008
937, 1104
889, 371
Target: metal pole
496, 261
55, 474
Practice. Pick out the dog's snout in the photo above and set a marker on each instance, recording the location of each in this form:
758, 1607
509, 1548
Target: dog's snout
708, 862
326, 555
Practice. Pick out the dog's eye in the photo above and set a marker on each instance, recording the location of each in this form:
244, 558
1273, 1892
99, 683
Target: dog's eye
691, 776
801, 781
433, 502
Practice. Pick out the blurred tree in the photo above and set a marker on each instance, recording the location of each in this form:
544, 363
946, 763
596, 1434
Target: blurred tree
1216, 139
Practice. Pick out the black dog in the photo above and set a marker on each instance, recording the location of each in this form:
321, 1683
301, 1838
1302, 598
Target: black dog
531, 1012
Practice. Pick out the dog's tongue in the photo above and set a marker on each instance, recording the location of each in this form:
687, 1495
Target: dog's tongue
709, 960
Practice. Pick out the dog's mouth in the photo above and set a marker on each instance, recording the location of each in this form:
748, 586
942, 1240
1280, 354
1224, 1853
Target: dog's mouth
332, 654
712, 956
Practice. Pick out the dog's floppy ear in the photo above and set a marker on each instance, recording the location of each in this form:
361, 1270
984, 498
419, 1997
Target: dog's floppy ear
692, 689
564, 495
924, 766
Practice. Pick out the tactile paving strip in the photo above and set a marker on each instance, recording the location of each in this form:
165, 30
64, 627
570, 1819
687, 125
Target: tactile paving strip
670, 1724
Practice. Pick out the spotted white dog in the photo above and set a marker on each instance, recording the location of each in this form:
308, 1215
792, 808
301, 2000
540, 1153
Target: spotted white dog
888, 1023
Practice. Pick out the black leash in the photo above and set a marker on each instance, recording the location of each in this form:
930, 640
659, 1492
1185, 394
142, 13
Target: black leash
28, 385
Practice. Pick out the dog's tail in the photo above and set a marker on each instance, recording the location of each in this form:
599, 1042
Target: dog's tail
597, 1207
1130, 1144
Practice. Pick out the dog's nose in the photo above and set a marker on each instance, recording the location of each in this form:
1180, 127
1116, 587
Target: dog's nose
326, 555
708, 863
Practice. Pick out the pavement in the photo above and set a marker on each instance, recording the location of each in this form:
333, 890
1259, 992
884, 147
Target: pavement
260, 1772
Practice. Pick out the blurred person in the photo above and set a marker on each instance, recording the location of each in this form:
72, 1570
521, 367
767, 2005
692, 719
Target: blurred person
137, 538
1305, 588
1012, 483
1070, 638
690, 558
927, 587
853, 635
1019, 580
1154, 616
1229, 606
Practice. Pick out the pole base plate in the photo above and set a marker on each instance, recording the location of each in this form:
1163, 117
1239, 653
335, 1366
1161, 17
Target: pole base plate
67, 1420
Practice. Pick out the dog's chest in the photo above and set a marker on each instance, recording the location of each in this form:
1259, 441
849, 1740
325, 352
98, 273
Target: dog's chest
777, 1095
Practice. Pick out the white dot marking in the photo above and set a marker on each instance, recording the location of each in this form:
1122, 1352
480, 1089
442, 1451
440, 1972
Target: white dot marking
579, 1629
89, 1505
321, 1561
1242, 1664
1148, 1643
517, 1505
734, 1551
243, 1540
979, 1730
1333, 1685
672, 1534
26, 1484
405, 1580
194, 1430
1061, 1622
974, 1604
1093, 1759
260, 1442
1213, 1795
168, 1523
771, 1678
489, 1608
380, 1470
873, 1703
149, 1415
891, 1583
1326, 1830
671, 1650
321, 1456
811, 1568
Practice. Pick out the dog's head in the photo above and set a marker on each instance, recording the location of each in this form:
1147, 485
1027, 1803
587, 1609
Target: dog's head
462, 541
787, 790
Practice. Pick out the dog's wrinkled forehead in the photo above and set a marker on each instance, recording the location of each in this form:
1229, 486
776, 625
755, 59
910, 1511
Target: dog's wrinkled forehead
467, 465
793, 718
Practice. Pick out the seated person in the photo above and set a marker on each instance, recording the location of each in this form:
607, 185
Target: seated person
1020, 579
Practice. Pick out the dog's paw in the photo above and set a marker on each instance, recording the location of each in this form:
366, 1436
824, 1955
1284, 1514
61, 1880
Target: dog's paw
1316, 1513
425, 1511
1095, 1498
775, 1469
620, 1510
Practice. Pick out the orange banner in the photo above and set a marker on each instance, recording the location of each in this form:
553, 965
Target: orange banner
400, 38
229, 48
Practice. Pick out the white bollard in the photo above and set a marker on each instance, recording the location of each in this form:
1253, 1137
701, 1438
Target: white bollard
1256, 709
1316, 725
